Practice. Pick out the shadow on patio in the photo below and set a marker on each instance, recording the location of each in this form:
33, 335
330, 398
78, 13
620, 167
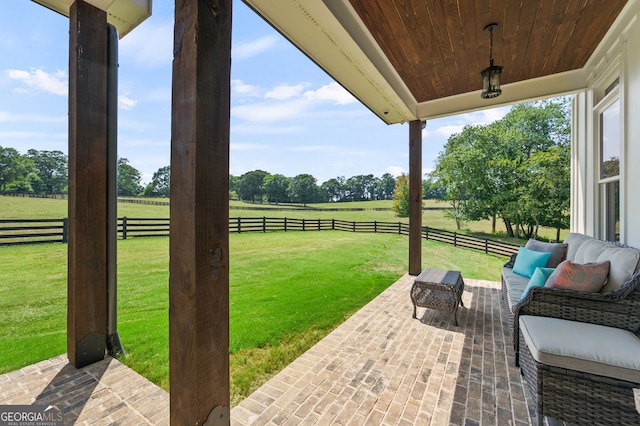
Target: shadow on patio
379, 367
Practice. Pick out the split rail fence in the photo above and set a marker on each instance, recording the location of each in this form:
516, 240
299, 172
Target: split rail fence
35, 231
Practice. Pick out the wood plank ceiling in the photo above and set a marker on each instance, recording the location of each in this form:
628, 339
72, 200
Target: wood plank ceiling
439, 47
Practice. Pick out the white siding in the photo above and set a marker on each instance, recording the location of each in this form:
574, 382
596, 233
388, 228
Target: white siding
618, 56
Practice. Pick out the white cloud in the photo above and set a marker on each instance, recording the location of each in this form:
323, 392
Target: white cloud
241, 88
284, 91
486, 116
452, 125
331, 92
126, 103
40, 80
395, 170
150, 45
269, 112
253, 48
449, 130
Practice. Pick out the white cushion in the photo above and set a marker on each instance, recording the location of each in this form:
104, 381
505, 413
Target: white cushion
589, 251
624, 262
590, 348
516, 285
574, 240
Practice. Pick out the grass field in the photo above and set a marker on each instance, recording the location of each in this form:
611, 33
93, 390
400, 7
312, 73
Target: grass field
287, 291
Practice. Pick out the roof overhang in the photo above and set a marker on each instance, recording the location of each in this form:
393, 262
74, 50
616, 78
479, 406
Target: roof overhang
381, 51
124, 15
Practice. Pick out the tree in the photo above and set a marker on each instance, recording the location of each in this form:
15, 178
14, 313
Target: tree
335, 189
128, 179
401, 196
386, 187
16, 171
160, 183
458, 170
303, 189
433, 190
276, 188
250, 185
51, 171
498, 170
233, 183
549, 194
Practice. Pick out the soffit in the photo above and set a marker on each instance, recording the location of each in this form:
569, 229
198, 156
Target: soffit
418, 59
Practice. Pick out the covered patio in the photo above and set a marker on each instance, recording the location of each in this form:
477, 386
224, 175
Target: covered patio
379, 367
408, 62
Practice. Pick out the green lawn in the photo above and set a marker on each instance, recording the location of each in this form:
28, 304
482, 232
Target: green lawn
38, 208
287, 291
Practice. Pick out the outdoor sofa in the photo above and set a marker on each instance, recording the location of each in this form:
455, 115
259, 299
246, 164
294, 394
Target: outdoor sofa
578, 347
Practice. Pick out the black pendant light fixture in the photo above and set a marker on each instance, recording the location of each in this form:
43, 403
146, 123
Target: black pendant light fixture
491, 74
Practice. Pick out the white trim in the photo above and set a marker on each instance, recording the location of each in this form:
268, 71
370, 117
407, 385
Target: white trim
613, 66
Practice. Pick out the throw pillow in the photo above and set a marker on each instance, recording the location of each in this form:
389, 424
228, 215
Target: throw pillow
590, 277
528, 260
558, 251
538, 279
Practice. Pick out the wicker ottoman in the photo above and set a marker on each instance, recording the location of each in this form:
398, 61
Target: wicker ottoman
438, 289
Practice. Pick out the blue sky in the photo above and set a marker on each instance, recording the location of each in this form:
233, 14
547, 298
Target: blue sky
287, 115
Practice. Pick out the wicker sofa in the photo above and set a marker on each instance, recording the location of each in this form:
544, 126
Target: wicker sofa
580, 352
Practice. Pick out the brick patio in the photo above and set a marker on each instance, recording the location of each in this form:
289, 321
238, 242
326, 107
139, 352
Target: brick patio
380, 367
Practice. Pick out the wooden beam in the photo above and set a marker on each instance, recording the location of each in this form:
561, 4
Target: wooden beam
415, 197
87, 250
199, 235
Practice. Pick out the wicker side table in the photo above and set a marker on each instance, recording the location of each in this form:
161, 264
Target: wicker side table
438, 289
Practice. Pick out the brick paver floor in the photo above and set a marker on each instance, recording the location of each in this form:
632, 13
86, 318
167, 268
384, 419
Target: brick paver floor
104, 393
380, 367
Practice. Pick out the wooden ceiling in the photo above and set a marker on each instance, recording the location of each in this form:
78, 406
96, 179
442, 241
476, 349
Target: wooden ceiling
439, 47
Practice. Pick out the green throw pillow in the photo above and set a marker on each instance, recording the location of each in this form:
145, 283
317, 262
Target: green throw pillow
538, 279
528, 260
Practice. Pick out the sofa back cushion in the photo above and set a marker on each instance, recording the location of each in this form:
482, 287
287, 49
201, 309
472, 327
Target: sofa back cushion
624, 263
574, 240
624, 260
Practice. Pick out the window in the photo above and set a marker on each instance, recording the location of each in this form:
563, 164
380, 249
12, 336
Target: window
610, 141
610, 152
611, 198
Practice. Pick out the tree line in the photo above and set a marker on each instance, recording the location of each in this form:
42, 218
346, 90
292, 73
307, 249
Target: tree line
46, 172
43, 172
261, 186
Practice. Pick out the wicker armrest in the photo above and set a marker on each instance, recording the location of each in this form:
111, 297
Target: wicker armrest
512, 261
619, 309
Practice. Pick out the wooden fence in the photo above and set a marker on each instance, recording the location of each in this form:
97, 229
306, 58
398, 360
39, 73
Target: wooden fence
36, 231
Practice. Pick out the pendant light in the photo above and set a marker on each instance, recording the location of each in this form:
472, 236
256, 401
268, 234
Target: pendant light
491, 74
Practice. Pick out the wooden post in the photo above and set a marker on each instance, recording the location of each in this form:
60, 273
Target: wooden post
415, 197
199, 233
87, 250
